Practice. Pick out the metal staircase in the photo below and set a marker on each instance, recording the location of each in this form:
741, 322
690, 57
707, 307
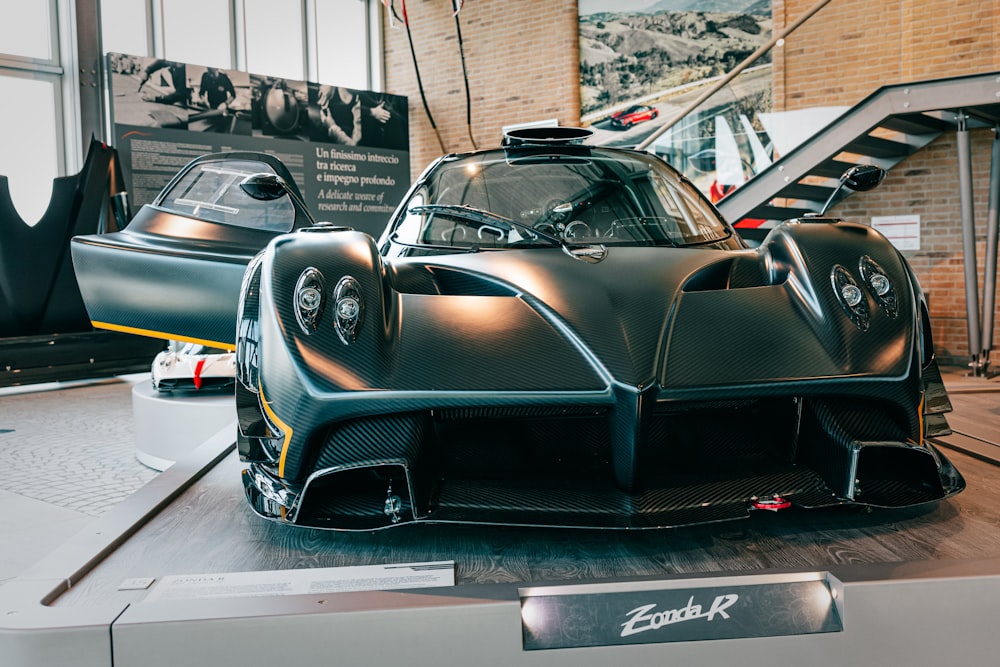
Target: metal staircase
883, 129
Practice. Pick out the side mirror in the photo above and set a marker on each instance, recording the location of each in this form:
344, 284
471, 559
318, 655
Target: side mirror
265, 186
268, 187
859, 178
862, 177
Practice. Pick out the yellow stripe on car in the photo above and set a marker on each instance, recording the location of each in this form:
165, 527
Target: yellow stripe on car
286, 430
161, 334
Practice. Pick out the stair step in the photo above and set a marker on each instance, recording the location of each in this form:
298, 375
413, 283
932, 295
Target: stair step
816, 193
830, 169
915, 113
879, 148
915, 124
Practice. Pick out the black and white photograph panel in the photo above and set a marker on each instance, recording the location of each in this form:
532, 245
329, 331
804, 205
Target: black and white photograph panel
280, 107
221, 100
150, 92
384, 121
352, 117
335, 114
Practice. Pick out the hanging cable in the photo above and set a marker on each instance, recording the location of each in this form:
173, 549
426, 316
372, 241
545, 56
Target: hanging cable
416, 69
457, 6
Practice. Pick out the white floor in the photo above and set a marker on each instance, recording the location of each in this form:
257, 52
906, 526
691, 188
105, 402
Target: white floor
30, 529
69, 456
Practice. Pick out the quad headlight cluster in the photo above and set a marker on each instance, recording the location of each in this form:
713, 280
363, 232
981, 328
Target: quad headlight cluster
852, 297
311, 299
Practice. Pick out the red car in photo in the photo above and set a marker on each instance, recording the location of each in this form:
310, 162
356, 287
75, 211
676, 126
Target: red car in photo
636, 113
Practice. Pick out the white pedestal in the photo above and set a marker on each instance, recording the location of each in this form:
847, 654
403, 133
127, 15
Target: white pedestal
168, 426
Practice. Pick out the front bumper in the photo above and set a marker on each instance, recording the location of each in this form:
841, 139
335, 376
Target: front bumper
694, 463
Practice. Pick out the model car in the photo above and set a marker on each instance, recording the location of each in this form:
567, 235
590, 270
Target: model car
637, 113
553, 333
189, 367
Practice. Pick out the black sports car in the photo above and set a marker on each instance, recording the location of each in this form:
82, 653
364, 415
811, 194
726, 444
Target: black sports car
547, 333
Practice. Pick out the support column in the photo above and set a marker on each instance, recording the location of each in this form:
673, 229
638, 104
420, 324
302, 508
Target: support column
963, 141
88, 36
990, 267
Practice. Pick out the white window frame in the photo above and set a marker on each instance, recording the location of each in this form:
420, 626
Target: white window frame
63, 68
54, 70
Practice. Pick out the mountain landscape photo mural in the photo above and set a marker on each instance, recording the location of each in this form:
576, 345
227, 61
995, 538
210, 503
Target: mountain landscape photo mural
630, 50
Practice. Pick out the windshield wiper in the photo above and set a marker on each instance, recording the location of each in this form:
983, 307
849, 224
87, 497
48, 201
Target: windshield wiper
462, 212
394, 237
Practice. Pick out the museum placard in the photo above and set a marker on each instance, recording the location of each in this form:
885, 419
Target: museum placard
694, 610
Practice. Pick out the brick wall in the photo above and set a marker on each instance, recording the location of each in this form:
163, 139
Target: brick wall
522, 62
850, 48
523, 65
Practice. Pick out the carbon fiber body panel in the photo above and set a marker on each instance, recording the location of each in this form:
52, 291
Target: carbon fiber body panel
587, 505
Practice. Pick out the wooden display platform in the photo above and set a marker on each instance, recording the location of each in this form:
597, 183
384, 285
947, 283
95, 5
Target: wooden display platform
210, 529
903, 570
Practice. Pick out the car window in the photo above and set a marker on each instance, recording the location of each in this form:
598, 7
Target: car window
594, 196
211, 191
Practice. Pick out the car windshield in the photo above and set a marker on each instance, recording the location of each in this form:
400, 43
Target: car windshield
584, 196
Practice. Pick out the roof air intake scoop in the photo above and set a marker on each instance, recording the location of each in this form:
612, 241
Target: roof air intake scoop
527, 136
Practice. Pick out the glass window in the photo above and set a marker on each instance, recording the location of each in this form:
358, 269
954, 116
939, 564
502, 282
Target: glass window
41, 138
125, 27
30, 158
275, 38
211, 191
342, 47
26, 30
198, 32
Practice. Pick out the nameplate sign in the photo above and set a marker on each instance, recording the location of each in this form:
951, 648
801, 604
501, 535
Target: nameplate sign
731, 608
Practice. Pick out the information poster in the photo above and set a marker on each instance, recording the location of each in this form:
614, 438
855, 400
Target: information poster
902, 230
347, 149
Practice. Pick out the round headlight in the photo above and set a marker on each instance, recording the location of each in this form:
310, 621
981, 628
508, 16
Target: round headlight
349, 309
310, 299
852, 295
880, 284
